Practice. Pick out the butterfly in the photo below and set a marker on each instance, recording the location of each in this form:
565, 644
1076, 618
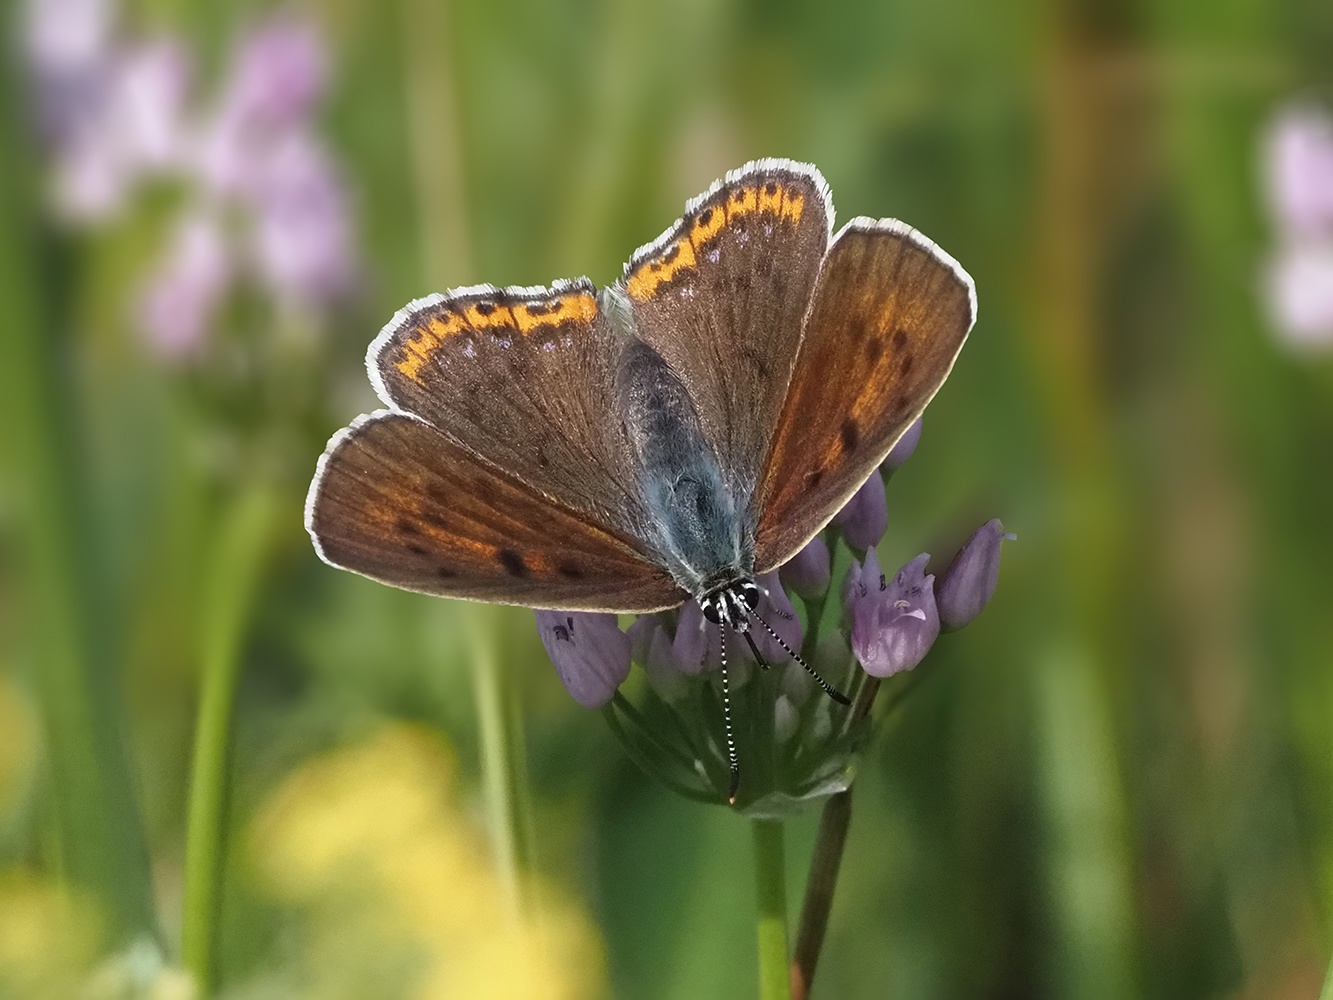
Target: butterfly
663, 439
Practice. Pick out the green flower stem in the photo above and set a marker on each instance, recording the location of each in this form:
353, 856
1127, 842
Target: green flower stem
234, 574
434, 141
1327, 992
503, 757
100, 844
819, 887
771, 890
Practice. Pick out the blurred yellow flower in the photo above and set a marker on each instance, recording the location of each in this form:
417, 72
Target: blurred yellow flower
48, 938
396, 882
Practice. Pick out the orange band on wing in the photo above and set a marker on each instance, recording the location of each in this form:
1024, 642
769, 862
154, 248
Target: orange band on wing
428, 337
479, 316
653, 273
772, 197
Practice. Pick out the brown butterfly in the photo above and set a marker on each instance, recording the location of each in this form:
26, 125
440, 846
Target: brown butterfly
663, 439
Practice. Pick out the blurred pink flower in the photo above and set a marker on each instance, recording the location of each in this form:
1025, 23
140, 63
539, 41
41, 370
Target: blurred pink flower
181, 297
66, 38
1300, 293
1298, 156
1298, 164
276, 78
117, 114
302, 230
137, 131
278, 74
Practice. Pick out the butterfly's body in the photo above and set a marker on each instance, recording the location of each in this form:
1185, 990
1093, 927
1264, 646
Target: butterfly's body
699, 528
665, 439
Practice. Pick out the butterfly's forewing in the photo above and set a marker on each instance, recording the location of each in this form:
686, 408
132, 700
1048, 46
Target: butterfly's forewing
396, 500
522, 377
721, 296
889, 316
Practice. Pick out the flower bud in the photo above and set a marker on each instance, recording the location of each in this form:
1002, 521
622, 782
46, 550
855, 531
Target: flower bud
902, 451
966, 587
589, 651
774, 608
894, 622
651, 646
807, 572
865, 517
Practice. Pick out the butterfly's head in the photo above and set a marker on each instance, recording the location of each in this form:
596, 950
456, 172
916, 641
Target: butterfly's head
731, 603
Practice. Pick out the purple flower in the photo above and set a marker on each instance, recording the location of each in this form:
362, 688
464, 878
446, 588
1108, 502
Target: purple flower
807, 572
590, 653
278, 74
865, 517
967, 586
180, 299
1298, 154
132, 128
302, 227
66, 37
894, 622
1300, 293
902, 451
650, 645
775, 608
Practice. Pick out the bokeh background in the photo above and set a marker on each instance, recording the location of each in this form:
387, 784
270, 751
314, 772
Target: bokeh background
1117, 783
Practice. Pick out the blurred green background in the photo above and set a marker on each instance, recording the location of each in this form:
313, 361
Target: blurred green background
1117, 782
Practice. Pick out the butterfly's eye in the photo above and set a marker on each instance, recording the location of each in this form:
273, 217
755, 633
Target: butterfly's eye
711, 611
751, 594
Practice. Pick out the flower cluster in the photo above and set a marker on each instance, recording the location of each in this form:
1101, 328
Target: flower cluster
264, 201
796, 743
1298, 166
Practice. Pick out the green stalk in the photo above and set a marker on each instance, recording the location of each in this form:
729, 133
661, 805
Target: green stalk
503, 757
435, 145
771, 892
234, 572
101, 848
1327, 992
820, 884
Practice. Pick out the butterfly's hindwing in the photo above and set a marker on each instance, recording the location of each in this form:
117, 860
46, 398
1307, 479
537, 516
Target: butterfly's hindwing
395, 500
889, 316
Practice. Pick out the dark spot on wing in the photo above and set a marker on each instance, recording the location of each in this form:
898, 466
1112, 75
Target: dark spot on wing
406, 527
851, 434
415, 549
771, 188
485, 308
445, 573
570, 571
704, 216
434, 519
439, 495
542, 459
905, 365
812, 479
512, 562
874, 348
539, 309
899, 339
670, 255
